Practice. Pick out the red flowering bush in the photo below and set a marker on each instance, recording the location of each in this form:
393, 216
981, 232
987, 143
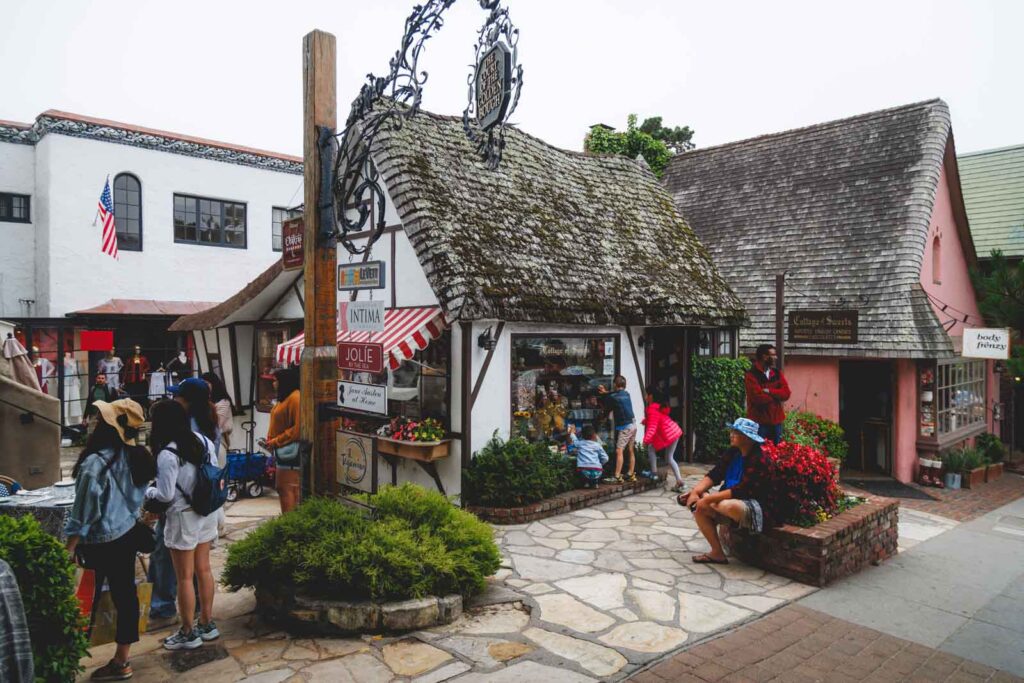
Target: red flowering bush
808, 429
801, 483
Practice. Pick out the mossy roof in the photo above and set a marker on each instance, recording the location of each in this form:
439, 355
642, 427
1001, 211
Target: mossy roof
551, 236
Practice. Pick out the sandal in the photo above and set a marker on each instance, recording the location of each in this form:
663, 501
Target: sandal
704, 558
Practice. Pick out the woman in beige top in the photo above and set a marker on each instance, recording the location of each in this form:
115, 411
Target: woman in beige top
225, 411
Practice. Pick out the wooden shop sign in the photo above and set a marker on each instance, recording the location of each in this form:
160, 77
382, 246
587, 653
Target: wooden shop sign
292, 254
493, 85
823, 327
361, 356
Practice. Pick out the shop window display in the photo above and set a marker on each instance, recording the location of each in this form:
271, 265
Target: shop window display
960, 395
555, 381
267, 339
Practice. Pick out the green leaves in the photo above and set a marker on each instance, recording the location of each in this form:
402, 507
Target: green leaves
46, 579
632, 143
420, 544
514, 473
719, 399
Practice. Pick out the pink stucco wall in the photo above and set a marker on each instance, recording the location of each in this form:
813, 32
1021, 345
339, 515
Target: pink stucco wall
955, 288
905, 420
815, 385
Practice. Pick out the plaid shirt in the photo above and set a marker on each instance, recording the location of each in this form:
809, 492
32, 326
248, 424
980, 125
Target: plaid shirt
16, 663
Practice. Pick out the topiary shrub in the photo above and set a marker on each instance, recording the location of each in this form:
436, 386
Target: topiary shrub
514, 473
46, 579
719, 398
808, 429
419, 544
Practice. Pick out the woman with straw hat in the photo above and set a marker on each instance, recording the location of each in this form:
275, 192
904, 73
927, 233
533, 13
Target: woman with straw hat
110, 479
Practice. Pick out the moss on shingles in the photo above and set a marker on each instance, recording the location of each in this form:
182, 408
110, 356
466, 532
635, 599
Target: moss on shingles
550, 236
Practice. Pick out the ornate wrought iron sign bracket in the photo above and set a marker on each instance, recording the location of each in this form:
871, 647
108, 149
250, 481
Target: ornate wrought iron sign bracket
385, 102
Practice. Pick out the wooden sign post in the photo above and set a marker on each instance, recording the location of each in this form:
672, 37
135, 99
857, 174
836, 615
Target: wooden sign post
320, 356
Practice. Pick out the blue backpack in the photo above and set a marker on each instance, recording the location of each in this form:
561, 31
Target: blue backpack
211, 489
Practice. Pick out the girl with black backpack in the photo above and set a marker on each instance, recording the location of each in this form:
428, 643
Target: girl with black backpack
187, 533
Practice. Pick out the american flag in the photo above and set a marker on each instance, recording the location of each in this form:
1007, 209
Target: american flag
107, 216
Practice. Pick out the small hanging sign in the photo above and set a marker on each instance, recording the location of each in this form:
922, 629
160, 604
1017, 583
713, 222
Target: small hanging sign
986, 343
370, 398
361, 316
823, 327
356, 276
292, 253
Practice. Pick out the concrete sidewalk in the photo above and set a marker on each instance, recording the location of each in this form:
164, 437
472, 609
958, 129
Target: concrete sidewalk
961, 592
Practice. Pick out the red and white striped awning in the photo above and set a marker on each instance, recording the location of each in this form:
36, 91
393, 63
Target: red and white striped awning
406, 330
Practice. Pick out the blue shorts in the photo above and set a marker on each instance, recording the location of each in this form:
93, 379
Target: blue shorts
591, 475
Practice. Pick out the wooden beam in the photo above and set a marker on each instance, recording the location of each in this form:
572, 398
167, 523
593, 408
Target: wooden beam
319, 372
487, 362
467, 403
636, 360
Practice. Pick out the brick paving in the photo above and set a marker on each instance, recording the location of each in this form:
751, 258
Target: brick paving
797, 644
963, 504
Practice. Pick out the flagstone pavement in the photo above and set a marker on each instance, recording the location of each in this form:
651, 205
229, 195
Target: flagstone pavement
591, 595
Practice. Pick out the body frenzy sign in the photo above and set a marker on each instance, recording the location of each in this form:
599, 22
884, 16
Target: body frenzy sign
823, 327
986, 343
493, 86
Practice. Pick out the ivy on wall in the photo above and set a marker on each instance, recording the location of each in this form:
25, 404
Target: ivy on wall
719, 398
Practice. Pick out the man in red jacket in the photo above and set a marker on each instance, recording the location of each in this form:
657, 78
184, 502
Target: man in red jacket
767, 390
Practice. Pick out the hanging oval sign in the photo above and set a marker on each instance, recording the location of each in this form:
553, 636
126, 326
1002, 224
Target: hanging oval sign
493, 86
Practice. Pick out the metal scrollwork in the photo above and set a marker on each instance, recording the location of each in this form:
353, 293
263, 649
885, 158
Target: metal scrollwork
388, 101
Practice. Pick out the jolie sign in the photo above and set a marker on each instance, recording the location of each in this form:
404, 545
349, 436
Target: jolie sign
493, 86
986, 343
292, 255
361, 357
823, 327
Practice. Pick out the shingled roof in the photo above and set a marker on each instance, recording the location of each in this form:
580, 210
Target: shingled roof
843, 206
993, 184
550, 236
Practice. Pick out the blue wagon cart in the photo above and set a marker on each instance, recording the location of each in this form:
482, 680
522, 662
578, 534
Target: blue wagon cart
246, 469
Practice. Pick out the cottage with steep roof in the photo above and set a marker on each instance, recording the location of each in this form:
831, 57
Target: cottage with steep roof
863, 214
512, 294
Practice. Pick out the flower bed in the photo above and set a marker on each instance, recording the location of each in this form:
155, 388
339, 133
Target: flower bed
818, 555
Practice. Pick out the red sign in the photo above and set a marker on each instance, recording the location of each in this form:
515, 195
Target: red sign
361, 356
97, 340
293, 255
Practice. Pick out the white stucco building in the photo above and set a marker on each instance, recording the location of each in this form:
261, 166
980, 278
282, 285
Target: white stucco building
194, 217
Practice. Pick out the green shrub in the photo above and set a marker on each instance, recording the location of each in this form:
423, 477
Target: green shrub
991, 447
719, 398
953, 460
808, 429
514, 473
972, 458
46, 579
419, 544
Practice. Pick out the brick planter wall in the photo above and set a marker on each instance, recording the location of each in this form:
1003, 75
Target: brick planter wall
828, 551
563, 502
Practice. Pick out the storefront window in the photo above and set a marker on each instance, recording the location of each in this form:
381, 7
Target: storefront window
960, 395
725, 344
267, 339
555, 381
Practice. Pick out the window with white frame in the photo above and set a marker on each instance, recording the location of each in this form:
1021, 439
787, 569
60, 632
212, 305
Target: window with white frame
960, 394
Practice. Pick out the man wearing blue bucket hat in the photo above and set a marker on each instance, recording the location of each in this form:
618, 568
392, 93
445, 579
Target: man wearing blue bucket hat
740, 497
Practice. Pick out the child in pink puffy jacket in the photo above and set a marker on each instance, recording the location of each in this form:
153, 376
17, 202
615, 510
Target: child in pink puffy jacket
661, 433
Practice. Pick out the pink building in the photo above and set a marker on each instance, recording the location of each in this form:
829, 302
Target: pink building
862, 214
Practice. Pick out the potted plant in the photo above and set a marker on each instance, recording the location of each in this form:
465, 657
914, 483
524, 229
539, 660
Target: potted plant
417, 440
954, 463
994, 450
973, 469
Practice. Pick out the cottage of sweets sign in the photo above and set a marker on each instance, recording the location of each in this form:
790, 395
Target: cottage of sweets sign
986, 343
823, 327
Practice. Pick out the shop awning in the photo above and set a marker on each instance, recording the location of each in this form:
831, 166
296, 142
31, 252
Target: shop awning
406, 330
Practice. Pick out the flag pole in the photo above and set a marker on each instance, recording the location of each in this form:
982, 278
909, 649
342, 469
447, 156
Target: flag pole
98, 208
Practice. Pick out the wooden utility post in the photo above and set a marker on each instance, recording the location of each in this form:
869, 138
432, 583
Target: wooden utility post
780, 318
320, 354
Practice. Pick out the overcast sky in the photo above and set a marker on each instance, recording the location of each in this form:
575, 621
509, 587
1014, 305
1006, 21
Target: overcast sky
231, 70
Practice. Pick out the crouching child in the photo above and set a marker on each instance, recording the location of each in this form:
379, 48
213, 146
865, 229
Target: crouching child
590, 457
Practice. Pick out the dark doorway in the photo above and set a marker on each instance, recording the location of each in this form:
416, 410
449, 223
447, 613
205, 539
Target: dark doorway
667, 370
865, 414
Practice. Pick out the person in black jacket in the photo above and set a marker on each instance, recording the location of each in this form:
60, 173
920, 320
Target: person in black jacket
741, 497
101, 391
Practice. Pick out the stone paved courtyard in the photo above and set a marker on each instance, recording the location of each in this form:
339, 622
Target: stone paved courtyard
590, 595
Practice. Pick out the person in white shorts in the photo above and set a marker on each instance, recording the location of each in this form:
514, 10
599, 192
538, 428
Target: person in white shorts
187, 534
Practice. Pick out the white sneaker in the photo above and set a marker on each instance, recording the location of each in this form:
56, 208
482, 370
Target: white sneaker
183, 641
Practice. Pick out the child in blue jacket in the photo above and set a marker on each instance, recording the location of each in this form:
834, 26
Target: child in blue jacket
590, 457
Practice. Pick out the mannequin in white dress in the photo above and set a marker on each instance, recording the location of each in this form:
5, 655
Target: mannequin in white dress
72, 391
46, 371
111, 366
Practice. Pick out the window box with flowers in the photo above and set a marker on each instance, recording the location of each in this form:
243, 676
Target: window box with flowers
421, 440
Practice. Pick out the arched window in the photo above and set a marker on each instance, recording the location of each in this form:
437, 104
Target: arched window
128, 212
937, 260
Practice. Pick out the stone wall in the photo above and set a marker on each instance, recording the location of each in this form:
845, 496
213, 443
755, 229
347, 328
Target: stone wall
818, 555
563, 502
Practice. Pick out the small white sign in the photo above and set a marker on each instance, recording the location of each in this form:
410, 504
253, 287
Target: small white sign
609, 367
986, 343
370, 398
361, 316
